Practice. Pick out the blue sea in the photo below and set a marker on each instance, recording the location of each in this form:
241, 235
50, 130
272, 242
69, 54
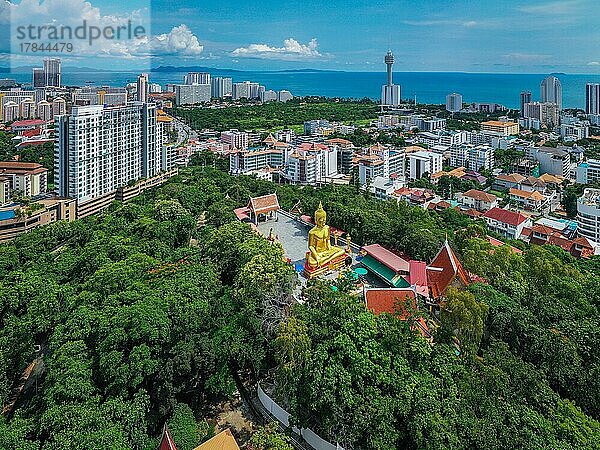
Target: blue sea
428, 87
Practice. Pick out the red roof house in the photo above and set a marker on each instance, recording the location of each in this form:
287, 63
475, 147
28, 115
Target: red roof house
506, 222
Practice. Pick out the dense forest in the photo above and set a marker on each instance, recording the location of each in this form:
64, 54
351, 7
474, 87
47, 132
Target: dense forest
276, 114
142, 315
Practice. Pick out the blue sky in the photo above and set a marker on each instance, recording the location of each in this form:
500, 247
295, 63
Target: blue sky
465, 35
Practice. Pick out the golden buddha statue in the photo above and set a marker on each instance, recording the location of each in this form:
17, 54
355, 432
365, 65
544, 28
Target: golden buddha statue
321, 253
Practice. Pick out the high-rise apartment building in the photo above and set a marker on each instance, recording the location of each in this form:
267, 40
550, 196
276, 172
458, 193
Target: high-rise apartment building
191, 94
52, 72
197, 78
100, 149
59, 106
592, 98
547, 113
454, 102
284, 96
220, 87
240, 90
268, 96
551, 91
27, 109
423, 162
472, 157
154, 88
10, 111
44, 111
142, 88
525, 98
39, 78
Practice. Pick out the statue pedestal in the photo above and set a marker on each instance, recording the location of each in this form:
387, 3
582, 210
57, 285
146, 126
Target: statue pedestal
334, 264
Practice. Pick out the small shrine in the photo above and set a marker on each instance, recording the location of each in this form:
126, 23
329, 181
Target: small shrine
259, 209
322, 257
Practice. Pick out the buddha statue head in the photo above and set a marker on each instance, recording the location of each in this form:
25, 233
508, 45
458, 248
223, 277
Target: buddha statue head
320, 215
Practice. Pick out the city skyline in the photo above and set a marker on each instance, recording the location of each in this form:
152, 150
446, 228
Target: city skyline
483, 37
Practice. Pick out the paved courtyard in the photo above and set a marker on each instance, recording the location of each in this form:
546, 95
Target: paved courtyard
293, 236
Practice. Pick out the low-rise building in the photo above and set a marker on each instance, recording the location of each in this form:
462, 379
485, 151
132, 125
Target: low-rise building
472, 157
29, 179
22, 127
242, 161
529, 200
236, 139
508, 223
443, 137
479, 200
415, 196
555, 161
20, 219
498, 128
383, 188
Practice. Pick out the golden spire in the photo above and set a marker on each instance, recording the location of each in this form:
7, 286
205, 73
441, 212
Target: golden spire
320, 212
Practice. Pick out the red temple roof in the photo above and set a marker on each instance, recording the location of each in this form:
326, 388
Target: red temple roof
387, 258
166, 441
444, 269
264, 204
390, 301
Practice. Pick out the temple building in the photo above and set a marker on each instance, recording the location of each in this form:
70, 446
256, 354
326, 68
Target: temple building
400, 303
166, 440
446, 270
259, 209
222, 441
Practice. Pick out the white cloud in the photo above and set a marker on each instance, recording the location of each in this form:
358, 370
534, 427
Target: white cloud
594, 63
553, 8
178, 41
291, 50
527, 57
442, 22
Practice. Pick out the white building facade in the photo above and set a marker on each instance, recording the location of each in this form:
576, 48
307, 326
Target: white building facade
100, 149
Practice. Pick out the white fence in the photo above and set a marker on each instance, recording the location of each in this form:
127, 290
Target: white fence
311, 438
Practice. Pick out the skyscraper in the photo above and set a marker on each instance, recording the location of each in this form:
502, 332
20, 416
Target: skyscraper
142, 88
93, 154
592, 98
454, 102
197, 78
52, 71
39, 78
390, 93
525, 98
551, 91
191, 94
